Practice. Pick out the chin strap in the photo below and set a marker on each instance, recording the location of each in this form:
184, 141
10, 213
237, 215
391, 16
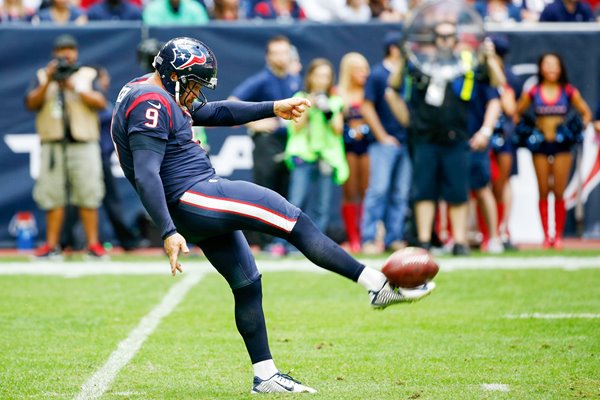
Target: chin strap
177, 92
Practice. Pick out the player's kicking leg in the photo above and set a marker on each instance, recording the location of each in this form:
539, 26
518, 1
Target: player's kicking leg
324, 252
238, 205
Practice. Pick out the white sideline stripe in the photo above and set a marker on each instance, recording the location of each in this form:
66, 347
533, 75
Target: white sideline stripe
554, 316
97, 385
510, 263
77, 269
495, 387
239, 208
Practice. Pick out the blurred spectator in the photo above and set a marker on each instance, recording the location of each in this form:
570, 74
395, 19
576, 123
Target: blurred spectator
174, 12
503, 155
354, 70
498, 11
269, 135
388, 10
355, 11
15, 11
62, 12
320, 11
315, 148
390, 169
334, 10
86, 4
531, 9
440, 130
295, 67
67, 100
551, 99
567, 11
597, 14
484, 110
226, 10
281, 10
111, 202
146, 50
114, 10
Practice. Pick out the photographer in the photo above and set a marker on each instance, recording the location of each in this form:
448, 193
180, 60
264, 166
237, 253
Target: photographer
315, 147
450, 117
67, 102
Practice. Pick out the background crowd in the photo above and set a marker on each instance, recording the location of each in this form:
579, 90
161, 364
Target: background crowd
413, 170
198, 12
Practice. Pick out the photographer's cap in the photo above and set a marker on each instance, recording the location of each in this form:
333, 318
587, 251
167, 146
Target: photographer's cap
65, 42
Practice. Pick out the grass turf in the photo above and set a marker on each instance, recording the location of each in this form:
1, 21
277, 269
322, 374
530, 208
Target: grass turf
56, 332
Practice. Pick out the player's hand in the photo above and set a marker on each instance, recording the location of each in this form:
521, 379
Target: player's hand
173, 245
291, 108
479, 141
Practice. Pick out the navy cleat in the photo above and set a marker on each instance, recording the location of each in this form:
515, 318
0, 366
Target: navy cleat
388, 294
280, 383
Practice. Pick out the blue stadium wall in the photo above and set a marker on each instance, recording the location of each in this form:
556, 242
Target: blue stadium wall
240, 52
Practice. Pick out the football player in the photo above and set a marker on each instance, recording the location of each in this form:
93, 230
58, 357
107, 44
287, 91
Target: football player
152, 132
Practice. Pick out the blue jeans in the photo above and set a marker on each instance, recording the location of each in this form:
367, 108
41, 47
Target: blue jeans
387, 195
302, 178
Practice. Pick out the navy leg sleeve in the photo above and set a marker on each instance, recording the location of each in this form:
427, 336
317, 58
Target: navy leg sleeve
323, 251
250, 321
231, 256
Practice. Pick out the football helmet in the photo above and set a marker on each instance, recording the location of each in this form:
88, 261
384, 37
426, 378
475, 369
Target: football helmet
192, 61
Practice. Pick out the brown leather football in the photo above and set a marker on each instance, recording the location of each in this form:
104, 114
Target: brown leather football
410, 267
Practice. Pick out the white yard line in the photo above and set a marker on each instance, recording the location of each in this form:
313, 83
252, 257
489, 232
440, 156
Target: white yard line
76, 269
495, 387
97, 385
554, 316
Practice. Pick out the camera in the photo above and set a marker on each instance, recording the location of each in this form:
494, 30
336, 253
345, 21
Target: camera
322, 104
64, 69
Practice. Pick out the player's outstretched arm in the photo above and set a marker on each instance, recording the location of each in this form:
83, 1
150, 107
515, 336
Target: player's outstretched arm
232, 112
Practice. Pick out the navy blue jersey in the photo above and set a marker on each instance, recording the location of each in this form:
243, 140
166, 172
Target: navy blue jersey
145, 109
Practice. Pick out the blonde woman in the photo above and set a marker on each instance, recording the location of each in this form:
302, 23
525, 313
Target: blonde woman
354, 70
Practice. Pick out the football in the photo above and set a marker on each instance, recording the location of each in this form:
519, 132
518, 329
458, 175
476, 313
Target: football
410, 267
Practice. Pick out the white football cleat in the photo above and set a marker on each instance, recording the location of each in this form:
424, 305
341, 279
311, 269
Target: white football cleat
388, 294
280, 383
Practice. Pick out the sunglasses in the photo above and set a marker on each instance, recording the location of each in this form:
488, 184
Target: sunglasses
445, 36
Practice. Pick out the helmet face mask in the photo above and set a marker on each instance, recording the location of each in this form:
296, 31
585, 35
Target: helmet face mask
188, 93
189, 61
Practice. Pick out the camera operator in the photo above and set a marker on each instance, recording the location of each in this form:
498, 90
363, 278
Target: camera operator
67, 102
449, 119
315, 146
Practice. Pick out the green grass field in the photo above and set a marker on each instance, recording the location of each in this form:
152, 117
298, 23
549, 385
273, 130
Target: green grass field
56, 332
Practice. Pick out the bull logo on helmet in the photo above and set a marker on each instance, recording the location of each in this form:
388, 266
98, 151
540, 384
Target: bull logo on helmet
184, 58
